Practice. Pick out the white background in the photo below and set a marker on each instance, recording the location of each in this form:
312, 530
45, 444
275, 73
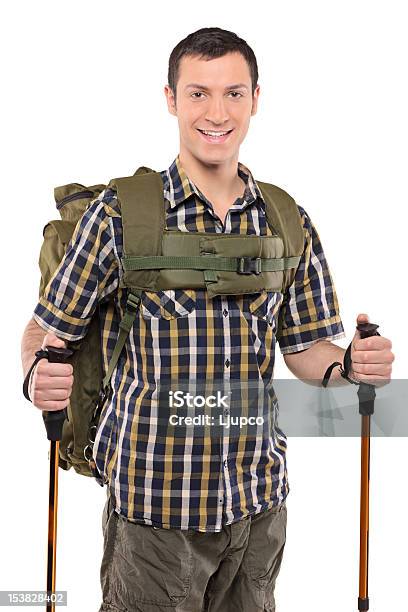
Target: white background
83, 101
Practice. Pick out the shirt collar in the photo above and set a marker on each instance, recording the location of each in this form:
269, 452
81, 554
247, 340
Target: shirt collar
179, 187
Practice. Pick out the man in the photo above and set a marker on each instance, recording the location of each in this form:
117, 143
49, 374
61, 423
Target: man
189, 528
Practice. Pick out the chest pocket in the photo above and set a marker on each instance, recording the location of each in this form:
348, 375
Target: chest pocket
265, 305
168, 304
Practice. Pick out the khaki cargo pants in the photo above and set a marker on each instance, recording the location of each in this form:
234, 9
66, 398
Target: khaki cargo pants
147, 569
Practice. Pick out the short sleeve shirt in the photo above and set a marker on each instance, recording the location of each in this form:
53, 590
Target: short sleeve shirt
155, 476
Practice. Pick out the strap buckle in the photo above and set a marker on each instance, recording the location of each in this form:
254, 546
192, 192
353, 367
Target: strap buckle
249, 265
132, 303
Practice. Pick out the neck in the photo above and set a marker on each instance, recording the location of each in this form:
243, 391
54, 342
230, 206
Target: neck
220, 180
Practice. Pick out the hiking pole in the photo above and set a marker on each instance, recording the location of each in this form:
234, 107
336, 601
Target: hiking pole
366, 396
54, 422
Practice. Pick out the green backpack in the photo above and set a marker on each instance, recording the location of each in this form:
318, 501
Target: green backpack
158, 259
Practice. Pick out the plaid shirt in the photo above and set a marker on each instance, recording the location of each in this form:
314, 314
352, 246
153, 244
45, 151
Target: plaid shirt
165, 481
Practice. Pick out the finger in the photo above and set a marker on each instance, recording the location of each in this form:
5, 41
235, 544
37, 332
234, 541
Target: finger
377, 381
375, 343
54, 369
50, 339
66, 370
54, 382
384, 356
52, 405
44, 395
372, 369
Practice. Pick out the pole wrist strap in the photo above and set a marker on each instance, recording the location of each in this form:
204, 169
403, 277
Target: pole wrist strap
41, 354
344, 368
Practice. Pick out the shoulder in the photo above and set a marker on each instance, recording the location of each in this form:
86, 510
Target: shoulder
305, 218
308, 226
105, 205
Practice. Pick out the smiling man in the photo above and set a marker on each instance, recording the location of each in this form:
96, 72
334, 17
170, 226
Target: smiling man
213, 115
190, 525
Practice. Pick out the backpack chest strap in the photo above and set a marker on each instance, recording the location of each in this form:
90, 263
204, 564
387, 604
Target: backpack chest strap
221, 263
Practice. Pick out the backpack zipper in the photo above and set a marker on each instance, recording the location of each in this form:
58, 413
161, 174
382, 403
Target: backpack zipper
74, 196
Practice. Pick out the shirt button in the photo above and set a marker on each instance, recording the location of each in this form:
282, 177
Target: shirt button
225, 312
225, 463
227, 363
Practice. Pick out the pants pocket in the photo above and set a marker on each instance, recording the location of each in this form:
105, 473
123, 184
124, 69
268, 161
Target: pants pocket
265, 548
152, 566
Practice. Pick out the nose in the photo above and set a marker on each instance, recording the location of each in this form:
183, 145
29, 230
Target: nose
216, 111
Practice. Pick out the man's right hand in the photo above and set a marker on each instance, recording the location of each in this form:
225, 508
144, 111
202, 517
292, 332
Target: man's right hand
51, 383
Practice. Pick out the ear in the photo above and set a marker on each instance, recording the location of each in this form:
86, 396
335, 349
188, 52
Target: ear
171, 102
255, 100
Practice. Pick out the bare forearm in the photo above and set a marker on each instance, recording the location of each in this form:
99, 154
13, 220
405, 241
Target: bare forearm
30, 343
310, 365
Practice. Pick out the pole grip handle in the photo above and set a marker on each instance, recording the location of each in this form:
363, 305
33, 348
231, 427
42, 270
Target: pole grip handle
366, 392
367, 329
54, 420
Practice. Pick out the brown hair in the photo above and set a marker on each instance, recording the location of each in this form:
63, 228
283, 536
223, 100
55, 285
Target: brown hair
210, 43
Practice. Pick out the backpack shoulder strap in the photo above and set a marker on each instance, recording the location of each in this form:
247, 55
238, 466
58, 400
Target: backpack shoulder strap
284, 219
141, 200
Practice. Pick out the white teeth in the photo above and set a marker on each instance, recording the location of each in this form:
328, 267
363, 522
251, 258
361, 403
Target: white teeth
214, 133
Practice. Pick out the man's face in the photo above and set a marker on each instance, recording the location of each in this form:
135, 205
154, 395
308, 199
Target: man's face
213, 96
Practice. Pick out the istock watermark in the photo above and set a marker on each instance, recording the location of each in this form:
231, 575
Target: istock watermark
178, 399
33, 598
223, 420
289, 407
201, 408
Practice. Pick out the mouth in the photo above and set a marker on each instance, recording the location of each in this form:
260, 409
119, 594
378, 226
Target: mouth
215, 136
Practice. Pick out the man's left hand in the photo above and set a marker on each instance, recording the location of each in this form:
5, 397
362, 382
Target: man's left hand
371, 357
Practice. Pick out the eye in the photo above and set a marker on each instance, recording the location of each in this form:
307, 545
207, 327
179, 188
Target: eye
237, 94
195, 95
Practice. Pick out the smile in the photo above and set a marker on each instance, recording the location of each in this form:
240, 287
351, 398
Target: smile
215, 136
